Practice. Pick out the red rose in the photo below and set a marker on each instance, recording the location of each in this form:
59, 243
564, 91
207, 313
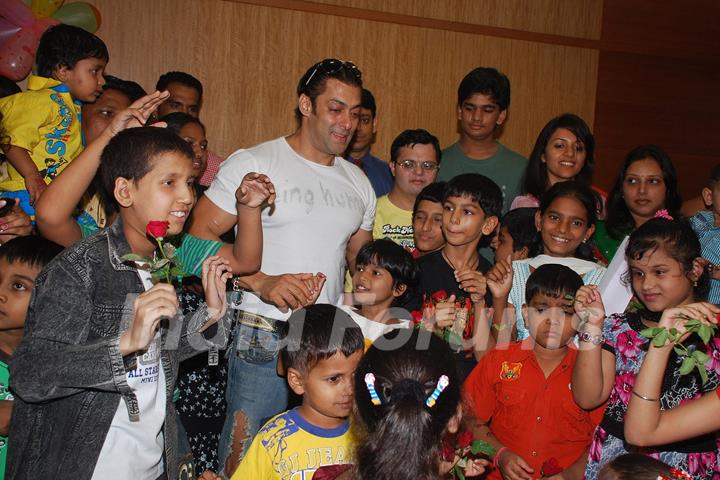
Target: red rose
417, 316
550, 467
464, 439
440, 296
448, 452
157, 228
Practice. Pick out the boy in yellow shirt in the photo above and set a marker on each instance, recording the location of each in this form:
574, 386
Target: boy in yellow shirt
321, 351
41, 127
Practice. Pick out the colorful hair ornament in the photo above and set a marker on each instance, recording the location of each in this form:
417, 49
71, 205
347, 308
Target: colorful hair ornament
663, 214
443, 382
370, 383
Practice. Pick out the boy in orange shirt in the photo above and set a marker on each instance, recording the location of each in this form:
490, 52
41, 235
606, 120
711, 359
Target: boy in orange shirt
521, 393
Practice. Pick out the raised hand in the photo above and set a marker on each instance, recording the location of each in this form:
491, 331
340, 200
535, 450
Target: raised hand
500, 278
472, 282
254, 190
216, 272
137, 114
589, 306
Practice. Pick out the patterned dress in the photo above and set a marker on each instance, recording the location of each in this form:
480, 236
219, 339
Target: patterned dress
698, 456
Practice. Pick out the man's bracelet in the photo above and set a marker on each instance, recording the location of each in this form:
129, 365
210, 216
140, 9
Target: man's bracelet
588, 337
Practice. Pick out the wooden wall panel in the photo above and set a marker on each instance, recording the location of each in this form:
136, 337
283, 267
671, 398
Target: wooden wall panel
250, 57
570, 18
660, 88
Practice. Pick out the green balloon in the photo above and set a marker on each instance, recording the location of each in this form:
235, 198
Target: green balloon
79, 14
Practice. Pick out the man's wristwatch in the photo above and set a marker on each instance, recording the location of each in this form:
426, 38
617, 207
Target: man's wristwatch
588, 337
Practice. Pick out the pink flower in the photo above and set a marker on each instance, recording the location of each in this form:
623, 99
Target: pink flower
663, 214
713, 350
624, 383
708, 459
693, 460
628, 345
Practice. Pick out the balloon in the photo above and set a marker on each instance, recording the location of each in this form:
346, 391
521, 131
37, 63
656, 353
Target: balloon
17, 55
45, 8
42, 24
79, 14
7, 30
16, 12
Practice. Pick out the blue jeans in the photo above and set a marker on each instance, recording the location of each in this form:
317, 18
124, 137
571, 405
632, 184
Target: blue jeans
254, 393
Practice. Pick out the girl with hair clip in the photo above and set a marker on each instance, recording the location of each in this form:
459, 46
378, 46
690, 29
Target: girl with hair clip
636, 466
408, 398
646, 183
565, 222
669, 280
564, 150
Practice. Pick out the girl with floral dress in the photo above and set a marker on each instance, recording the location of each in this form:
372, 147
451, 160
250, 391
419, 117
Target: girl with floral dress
666, 273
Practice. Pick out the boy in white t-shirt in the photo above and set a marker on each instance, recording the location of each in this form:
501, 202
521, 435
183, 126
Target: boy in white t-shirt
94, 376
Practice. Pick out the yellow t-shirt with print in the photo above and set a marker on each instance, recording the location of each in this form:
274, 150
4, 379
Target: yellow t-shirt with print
288, 447
45, 121
393, 223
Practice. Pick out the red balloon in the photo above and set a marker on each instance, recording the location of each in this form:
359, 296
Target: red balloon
17, 55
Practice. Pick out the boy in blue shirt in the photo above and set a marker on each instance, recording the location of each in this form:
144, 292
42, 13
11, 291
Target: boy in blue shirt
94, 375
42, 125
706, 225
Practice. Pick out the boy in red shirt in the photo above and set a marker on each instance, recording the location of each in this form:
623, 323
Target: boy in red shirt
521, 393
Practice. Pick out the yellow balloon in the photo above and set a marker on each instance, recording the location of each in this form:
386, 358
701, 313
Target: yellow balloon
45, 8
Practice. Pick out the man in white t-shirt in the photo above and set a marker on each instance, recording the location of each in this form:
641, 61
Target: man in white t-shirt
322, 215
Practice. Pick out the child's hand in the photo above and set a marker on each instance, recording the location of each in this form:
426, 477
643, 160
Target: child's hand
589, 306
676, 317
472, 282
445, 313
254, 190
35, 185
513, 467
150, 307
315, 284
500, 278
137, 114
216, 272
17, 223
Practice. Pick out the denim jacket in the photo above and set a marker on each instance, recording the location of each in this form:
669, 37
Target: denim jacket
68, 375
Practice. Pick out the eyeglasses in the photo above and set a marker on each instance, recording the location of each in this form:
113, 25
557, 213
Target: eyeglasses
331, 66
411, 164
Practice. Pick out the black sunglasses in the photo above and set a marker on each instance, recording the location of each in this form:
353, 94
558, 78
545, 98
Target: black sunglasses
331, 66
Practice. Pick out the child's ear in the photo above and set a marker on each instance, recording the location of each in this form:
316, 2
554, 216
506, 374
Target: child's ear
490, 225
526, 315
399, 290
61, 73
295, 381
521, 254
538, 220
455, 421
698, 267
589, 233
122, 192
706, 195
304, 105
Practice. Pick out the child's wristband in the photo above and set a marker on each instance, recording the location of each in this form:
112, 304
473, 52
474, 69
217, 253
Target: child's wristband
496, 458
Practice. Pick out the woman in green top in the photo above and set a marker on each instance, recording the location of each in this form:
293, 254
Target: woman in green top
646, 183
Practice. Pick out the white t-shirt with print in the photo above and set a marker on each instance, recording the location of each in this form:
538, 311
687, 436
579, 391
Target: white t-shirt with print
135, 449
317, 209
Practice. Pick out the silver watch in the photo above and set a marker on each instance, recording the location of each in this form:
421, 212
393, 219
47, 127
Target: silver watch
587, 337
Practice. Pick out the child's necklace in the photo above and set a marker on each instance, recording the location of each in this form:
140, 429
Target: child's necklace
473, 264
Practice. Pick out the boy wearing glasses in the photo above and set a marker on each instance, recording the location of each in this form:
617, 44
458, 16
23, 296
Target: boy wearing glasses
322, 215
414, 161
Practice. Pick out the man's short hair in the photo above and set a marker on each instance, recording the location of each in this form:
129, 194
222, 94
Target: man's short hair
131, 153
487, 81
181, 78
553, 280
480, 189
410, 138
64, 46
318, 332
31, 250
130, 89
367, 101
312, 83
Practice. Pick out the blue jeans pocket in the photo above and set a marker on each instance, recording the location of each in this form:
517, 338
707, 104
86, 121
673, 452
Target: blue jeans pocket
256, 346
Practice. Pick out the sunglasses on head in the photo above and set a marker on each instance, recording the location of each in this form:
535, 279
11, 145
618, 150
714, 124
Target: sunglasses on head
331, 66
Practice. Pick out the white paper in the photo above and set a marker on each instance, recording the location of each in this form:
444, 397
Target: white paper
615, 294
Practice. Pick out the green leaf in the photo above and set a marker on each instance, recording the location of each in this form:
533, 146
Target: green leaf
680, 352
160, 264
660, 338
701, 357
703, 373
705, 333
132, 257
687, 365
169, 250
648, 332
479, 446
693, 322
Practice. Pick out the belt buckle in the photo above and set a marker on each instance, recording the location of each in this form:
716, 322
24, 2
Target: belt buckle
256, 321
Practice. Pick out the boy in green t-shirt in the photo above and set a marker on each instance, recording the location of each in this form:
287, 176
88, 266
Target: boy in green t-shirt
21, 259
